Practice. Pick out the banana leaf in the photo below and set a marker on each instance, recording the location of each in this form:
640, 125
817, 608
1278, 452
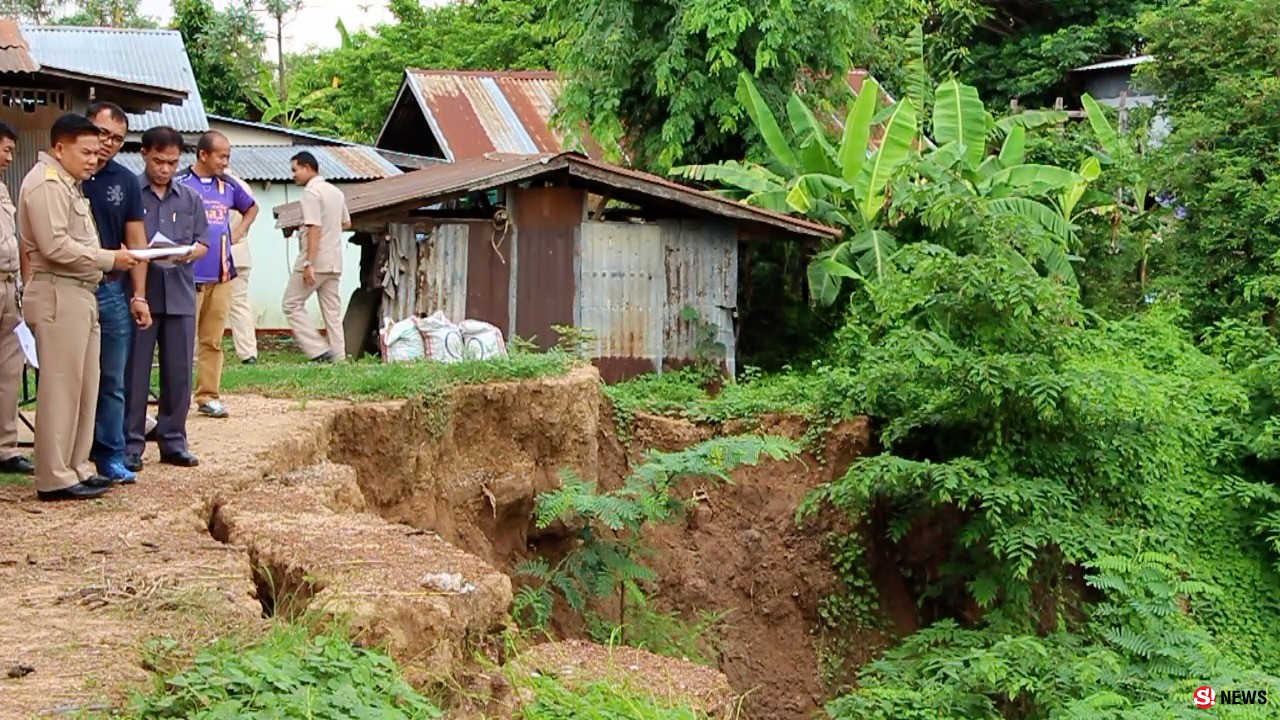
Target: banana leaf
959, 115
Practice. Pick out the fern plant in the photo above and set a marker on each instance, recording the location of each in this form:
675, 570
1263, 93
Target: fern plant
607, 560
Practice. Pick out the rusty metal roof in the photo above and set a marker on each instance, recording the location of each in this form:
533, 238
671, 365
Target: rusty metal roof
449, 180
270, 163
476, 112
15, 53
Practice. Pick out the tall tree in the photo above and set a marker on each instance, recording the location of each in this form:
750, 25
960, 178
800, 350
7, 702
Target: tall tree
225, 47
659, 77
366, 70
36, 11
281, 12
109, 13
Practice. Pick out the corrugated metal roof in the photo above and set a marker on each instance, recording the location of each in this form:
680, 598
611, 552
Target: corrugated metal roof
270, 163
1112, 64
268, 127
147, 57
430, 185
15, 53
475, 112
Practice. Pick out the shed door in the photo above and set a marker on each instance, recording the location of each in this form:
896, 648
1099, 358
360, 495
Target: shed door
546, 220
621, 296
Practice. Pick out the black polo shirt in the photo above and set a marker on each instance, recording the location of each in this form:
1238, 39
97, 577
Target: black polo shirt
116, 199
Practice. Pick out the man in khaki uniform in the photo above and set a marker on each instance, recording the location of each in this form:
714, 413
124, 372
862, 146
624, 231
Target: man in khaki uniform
319, 266
11, 359
243, 327
66, 264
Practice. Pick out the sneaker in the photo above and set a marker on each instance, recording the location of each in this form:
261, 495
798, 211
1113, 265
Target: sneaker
117, 471
213, 409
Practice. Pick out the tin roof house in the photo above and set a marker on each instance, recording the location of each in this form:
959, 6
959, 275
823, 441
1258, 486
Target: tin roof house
41, 77
514, 240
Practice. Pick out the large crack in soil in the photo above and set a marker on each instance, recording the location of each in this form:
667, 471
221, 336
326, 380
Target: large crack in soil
353, 509
740, 552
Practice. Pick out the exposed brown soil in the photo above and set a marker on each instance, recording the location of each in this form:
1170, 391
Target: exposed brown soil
740, 551
289, 512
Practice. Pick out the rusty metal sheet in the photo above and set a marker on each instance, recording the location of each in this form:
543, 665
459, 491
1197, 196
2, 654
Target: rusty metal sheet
432, 185
442, 272
428, 186
489, 274
621, 283
701, 272
546, 221
15, 52
399, 281
474, 112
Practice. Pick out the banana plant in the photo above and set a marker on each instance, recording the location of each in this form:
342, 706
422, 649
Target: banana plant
844, 185
848, 184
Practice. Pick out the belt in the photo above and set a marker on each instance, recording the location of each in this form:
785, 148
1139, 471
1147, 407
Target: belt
112, 276
8, 276
86, 284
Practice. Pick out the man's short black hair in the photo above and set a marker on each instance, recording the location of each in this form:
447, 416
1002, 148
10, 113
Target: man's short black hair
71, 127
7, 132
206, 141
161, 137
113, 111
306, 159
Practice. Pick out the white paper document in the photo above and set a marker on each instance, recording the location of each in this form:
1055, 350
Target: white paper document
161, 249
28, 343
161, 252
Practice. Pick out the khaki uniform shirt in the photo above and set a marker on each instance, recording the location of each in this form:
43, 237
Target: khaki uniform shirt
8, 233
56, 225
325, 206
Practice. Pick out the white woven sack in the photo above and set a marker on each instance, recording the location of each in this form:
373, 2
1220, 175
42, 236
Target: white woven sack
442, 338
403, 342
481, 340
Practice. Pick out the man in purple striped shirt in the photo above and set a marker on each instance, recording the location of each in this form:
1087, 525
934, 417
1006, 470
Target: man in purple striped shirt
221, 195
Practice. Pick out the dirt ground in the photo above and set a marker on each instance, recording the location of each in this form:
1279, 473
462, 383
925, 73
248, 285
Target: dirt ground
356, 507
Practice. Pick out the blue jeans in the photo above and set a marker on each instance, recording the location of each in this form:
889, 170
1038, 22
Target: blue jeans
117, 342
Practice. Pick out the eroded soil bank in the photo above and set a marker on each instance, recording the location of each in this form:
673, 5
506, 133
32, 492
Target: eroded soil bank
473, 477
360, 509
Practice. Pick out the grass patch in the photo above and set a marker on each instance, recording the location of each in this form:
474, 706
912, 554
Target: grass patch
281, 371
555, 701
683, 394
15, 479
288, 673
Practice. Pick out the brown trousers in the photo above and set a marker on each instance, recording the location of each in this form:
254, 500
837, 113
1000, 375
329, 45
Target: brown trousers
11, 364
63, 316
309, 341
213, 302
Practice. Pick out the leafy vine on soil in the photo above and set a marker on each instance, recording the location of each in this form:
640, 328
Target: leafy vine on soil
606, 568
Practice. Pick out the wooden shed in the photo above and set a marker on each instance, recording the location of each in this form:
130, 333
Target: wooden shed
526, 242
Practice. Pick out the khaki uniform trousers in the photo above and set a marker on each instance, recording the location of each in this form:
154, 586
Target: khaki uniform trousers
213, 302
308, 338
243, 328
63, 316
11, 364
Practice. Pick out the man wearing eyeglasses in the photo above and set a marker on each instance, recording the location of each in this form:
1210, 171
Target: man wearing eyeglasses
116, 200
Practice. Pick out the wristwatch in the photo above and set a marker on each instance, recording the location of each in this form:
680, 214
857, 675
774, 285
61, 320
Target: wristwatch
306, 263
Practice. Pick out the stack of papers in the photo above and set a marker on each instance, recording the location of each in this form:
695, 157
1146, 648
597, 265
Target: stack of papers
161, 250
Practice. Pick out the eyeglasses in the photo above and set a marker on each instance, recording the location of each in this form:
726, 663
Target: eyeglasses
107, 136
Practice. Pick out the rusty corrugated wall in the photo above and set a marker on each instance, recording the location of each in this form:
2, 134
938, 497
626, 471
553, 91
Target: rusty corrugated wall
621, 282
546, 222
635, 281
701, 269
442, 272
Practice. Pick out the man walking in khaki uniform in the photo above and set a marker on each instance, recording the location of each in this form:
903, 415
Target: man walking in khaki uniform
319, 266
243, 327
66, 265
11, 359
